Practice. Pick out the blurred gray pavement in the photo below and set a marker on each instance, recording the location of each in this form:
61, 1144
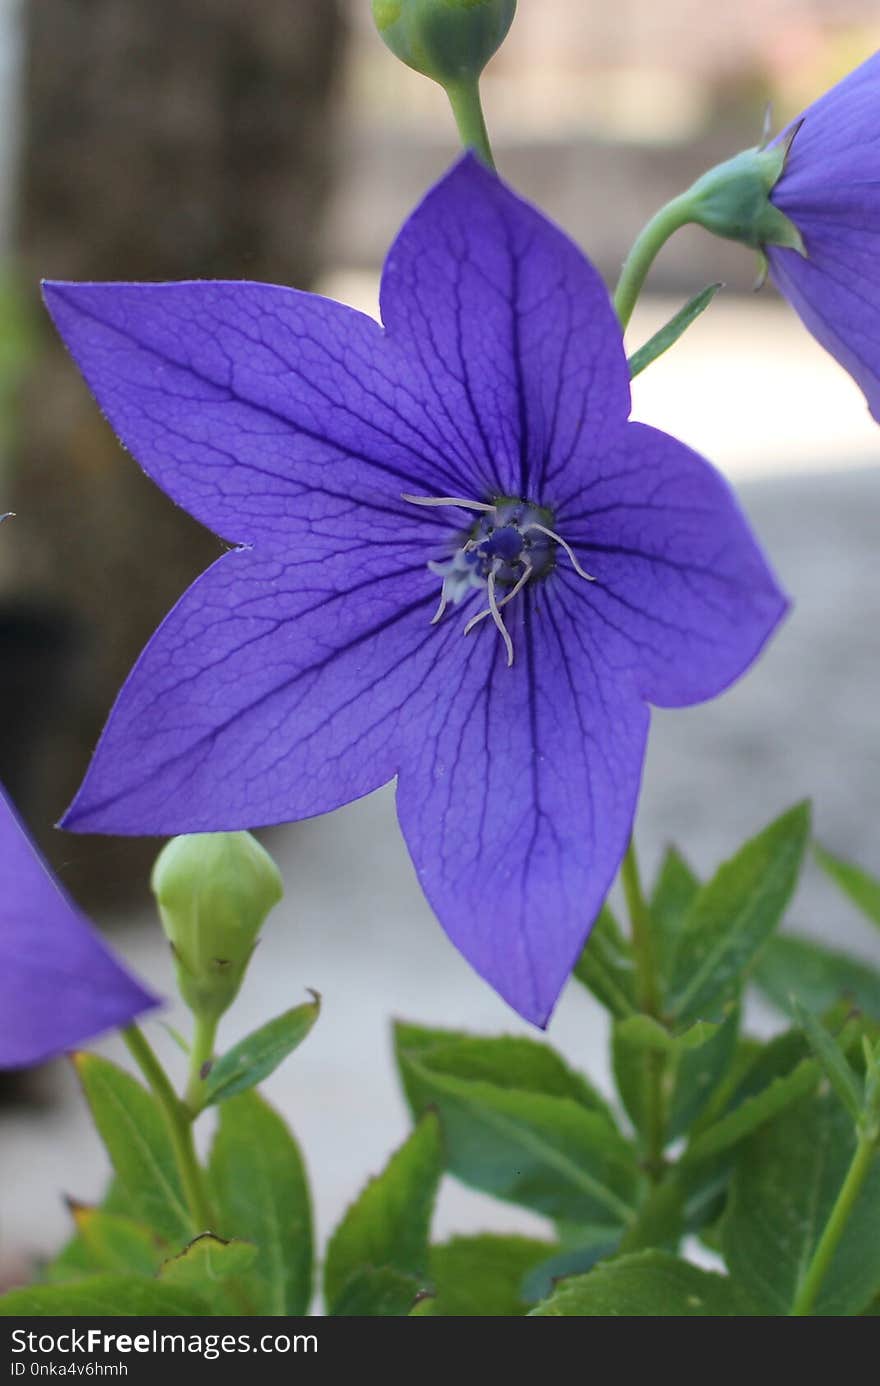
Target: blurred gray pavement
804, 722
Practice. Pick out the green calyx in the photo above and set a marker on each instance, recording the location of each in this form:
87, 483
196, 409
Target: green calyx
733, 200
214, 890
450, 41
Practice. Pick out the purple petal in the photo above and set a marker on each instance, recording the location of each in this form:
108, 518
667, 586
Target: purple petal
516, 796
830, 188
276, 689
262, 411
841, 124
513, 330
59, 984
683, 600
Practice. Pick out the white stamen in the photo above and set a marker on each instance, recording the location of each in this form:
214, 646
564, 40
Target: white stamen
444, 602
521, 582
449, 500
496, 617
551, 534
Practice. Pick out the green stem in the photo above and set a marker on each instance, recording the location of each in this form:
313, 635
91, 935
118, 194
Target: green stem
201, 1053
464, 98
809, 1288
647, 247
649, 1001
179, 1129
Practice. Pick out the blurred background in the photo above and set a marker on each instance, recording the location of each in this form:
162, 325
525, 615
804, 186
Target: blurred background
279, 140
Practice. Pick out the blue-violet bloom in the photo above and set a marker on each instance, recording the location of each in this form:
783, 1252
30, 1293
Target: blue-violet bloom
59, 983
830, 190
455, 561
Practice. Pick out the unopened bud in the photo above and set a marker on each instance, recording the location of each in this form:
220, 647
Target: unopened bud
214, 891
448, 40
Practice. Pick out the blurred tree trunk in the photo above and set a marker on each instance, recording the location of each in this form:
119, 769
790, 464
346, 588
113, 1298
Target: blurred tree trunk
163, 139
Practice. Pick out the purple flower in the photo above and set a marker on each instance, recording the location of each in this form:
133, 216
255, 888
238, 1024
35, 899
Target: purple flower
59, 984
830, 190
456, 562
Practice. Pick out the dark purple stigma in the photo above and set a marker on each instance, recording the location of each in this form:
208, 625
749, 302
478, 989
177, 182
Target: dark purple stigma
505, 543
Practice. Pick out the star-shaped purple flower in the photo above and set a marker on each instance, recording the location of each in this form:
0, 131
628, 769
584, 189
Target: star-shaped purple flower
59, 984
830, 190
456, 562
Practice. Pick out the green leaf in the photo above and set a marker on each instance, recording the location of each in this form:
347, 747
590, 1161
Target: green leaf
862, 889
674, 892
569, 1260
133, 1129
115, 1243
606, 966
505, 1061
670, 333
753, 1112
388, 1226
701, 1067
733, 916
260, 1053
261, 1196
103, 1296
833, 1061
648, 1284
483, 1276
786, 1183
206, 1268
545, 1152
377, 1293
792, 967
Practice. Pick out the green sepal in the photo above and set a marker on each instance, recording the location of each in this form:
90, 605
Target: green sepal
732, 200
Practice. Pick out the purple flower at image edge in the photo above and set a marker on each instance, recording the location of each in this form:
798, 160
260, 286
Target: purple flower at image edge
59, 984
455, 562
830, 190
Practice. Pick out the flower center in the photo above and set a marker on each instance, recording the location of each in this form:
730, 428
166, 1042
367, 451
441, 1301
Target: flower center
511, 544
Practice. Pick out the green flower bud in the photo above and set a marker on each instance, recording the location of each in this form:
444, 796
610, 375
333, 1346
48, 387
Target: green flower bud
213, 891
448, 40
733, 200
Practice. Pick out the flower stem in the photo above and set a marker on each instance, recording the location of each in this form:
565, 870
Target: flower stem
649, 1002
201, 1053
464, 98
809, 1288
179, 1129
647, 247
